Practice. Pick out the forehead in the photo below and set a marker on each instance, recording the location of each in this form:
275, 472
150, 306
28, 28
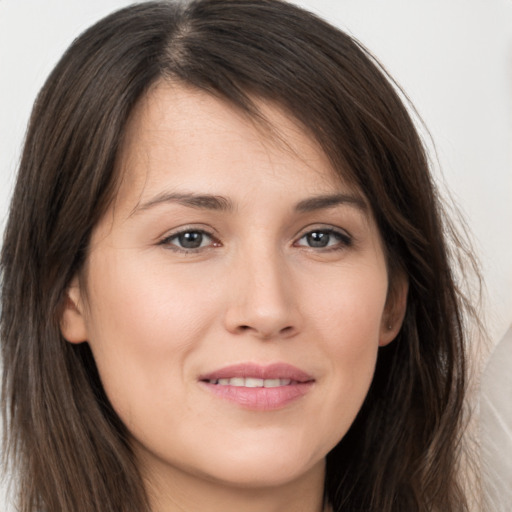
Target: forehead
177, 135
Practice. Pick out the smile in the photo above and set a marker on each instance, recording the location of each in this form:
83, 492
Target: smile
258, 387
252, 382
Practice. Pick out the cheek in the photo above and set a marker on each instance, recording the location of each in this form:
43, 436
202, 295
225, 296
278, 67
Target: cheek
130, 296
348, 320
140, 318
349, 308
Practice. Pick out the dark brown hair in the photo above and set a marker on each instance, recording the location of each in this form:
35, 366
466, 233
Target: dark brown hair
70, 450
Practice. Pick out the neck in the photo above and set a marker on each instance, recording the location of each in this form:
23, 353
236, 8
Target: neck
179, 492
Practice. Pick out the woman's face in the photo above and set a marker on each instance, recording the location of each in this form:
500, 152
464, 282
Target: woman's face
235, 295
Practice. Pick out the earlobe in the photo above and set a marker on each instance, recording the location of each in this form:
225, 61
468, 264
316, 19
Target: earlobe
72, 321
394, 313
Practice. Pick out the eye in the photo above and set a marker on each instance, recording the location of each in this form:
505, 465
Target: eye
189, 240
324, 239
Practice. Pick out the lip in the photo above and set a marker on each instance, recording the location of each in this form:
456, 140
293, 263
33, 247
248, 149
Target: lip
271, 371
259, 398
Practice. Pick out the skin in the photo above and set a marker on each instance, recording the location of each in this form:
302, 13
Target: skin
157, 315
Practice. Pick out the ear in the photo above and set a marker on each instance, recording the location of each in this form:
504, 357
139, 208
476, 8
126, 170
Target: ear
394, 312
72, 320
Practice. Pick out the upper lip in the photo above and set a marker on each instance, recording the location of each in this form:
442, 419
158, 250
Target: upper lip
258, 371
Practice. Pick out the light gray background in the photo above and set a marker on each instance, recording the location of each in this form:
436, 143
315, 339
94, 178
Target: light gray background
453, 58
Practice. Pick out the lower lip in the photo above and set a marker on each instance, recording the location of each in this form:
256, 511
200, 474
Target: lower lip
260, 399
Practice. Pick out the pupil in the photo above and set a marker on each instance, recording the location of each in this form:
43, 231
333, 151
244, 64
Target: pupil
318, 239
191, 240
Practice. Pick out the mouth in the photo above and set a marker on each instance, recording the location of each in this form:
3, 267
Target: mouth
259, 387
252, 382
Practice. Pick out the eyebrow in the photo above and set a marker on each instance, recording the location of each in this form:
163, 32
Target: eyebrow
221, 203
331, 201
199, 201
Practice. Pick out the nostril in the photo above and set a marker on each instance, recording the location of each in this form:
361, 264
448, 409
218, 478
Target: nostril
285, 331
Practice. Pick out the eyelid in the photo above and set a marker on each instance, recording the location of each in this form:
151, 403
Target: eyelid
166, 239
347, 240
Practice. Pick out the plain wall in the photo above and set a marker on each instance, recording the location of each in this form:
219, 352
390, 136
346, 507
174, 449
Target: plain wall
452, 57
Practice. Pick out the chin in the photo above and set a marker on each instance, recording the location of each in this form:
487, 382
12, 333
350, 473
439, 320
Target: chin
264, 464
264, 474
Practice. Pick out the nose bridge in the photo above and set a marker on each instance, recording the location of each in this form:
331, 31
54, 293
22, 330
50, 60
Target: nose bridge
262, 302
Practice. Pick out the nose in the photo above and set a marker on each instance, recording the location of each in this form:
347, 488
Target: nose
263, 298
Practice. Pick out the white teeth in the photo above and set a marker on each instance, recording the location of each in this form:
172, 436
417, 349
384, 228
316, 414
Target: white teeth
251, 382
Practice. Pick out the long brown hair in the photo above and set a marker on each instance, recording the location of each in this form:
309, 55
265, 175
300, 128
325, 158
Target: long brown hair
70, 451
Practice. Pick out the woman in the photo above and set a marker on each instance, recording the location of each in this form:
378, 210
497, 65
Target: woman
226, 284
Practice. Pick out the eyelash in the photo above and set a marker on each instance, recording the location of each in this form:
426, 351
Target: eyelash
168, 241
343, 240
